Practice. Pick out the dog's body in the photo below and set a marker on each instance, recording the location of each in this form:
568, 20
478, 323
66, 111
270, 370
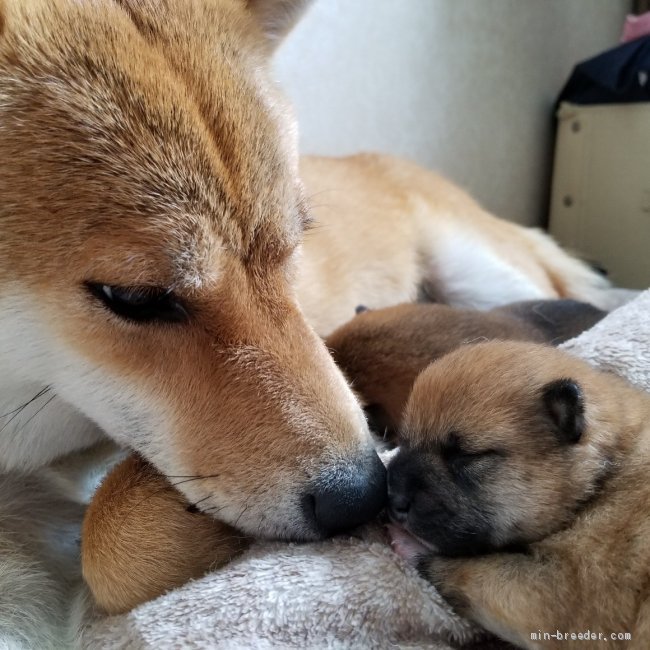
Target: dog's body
539, 462
388, 231
152, 216
382, 351
41, 601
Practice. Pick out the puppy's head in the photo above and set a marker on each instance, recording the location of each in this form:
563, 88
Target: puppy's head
501, 444
151, 215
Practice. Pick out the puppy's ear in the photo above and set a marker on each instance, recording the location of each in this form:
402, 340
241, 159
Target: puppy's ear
277, 17
564, 404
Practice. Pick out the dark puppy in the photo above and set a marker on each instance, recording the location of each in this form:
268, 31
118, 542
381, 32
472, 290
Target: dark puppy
383, 351
534, 466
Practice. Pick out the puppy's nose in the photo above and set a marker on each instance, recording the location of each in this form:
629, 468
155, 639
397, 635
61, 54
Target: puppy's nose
401, 486
398, 507
348, 496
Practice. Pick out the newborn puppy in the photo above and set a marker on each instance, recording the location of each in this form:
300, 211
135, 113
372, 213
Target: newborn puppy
383, 351
521, 489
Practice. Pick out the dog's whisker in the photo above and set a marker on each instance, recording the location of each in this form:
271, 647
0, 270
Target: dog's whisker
196, 503
244, 509
29, 419
214, 510
156, 492
16, 412
190, 480
187, 479
191, 476
26, 404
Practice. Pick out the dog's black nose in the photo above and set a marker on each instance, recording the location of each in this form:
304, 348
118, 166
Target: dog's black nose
347, 496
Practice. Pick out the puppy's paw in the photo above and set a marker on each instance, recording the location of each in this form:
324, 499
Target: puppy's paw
445, 575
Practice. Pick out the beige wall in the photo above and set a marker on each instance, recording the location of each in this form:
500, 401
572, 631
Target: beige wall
463, 86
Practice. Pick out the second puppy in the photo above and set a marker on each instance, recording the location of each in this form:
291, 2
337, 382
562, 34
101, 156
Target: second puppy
142, 538
382, 351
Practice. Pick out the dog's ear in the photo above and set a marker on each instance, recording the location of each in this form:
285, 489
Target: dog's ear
564, 404
277, 17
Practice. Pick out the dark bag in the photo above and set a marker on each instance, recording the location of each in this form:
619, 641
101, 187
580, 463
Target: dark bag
618, 76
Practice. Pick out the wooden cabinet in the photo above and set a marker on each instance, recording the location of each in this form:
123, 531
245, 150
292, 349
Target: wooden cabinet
600, 201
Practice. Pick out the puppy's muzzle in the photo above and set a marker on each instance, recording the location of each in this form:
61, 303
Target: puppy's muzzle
347, 496
398, 508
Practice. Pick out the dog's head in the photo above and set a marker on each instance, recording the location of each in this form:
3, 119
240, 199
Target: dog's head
501, 445
151, 214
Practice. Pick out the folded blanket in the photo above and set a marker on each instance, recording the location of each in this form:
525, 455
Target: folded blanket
620, 343
343, 593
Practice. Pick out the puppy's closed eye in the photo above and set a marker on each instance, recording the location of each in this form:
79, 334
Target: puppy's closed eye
460, 460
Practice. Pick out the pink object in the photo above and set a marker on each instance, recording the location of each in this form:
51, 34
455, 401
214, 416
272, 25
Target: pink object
406, 545
635, 27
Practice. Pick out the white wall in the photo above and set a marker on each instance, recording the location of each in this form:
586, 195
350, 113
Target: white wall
462, 86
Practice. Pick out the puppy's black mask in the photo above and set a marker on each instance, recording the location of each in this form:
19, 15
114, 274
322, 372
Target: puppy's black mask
438, 500
440, 490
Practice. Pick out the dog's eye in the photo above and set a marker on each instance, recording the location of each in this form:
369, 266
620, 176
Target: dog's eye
463, 461
140, 304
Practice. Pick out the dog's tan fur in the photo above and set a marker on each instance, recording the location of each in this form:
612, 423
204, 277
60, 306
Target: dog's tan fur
141, 538
143, 144
155, 137
388, 231
580, 507
382, 351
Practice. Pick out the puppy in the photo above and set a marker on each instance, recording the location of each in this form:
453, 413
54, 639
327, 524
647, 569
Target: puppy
522, 480
383, 351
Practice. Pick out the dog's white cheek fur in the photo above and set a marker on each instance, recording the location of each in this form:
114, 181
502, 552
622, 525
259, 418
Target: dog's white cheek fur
82, 401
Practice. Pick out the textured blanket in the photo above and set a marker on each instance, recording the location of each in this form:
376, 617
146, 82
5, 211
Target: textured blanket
344, 593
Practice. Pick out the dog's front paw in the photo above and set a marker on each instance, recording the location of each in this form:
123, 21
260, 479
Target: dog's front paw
445, 574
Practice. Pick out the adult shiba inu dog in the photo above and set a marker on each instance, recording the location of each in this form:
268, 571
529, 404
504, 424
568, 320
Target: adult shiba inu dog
156, 283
